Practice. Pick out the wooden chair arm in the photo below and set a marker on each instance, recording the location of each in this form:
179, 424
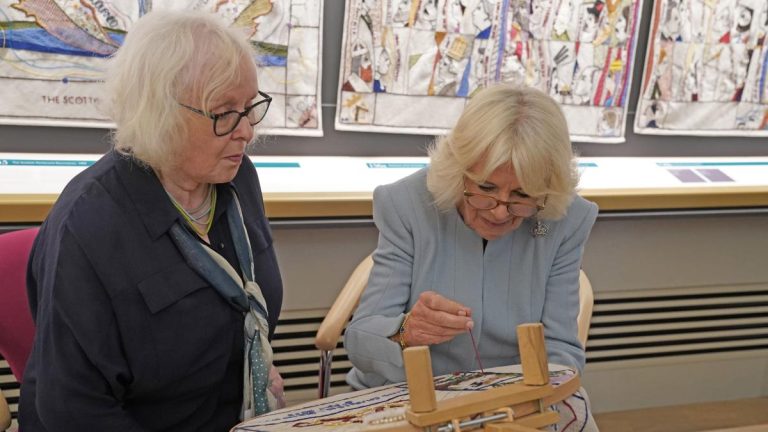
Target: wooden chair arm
334, 322
5, 414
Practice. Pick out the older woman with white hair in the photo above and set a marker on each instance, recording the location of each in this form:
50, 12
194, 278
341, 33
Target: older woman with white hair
153, 282
488, 237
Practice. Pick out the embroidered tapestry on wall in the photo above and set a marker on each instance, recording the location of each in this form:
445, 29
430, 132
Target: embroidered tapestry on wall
409, 66
705, 71
54, 53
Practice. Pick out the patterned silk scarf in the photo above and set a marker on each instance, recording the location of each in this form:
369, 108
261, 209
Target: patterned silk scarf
244, 294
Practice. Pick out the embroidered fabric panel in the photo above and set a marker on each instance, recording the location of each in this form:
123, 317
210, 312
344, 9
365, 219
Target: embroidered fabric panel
56, 50
705, 70
409, 66
347, 412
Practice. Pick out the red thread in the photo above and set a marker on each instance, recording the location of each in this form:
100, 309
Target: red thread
572, 412
477, 354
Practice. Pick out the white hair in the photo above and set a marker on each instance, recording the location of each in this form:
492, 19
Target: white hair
505, 124
168, 56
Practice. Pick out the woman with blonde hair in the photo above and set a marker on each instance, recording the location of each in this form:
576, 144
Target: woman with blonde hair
153, 281
488, 237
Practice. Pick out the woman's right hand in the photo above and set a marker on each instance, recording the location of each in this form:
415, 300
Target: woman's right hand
435, 319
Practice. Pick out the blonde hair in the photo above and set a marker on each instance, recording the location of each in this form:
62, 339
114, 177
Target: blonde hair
505, 124
167, 57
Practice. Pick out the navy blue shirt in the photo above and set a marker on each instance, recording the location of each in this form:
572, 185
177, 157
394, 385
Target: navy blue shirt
128, 336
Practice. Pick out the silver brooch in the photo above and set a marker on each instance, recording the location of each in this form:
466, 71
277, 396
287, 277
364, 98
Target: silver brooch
539, 229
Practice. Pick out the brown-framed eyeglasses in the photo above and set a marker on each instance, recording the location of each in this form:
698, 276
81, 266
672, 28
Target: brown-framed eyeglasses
486, 202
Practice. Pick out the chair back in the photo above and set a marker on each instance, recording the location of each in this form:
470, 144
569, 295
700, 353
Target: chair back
333, 324
338, 316
16, 327
586, 302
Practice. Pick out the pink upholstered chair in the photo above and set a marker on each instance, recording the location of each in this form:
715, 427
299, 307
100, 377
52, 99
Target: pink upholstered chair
16, 327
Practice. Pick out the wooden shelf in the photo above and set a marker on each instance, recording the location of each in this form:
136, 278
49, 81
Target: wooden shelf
18, 208
338, 187
682, 198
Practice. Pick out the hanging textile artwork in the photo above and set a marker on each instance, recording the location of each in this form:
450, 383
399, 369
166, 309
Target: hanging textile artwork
409, 66
705, 71
54, 55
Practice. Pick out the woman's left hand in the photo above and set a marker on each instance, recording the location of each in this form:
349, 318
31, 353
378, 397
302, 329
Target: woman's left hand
276, 387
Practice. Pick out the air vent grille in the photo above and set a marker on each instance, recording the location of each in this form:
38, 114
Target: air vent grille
682, 321
299, 361
625, 326
294, 354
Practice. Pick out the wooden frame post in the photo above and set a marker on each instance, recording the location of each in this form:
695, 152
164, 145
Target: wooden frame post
418, 373
533, 354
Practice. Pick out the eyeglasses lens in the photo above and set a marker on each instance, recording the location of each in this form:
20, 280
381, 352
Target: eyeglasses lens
482, 202
257, 113
227, 122
522, 210
487, 203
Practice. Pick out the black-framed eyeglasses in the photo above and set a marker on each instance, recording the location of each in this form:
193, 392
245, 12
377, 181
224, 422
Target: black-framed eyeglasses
224, 123
516, 208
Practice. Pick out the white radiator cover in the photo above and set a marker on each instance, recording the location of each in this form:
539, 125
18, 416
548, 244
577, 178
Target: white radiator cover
659, 347
646, 348
649, 347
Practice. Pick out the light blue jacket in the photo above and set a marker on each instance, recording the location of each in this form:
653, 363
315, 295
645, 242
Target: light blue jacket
518, 279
